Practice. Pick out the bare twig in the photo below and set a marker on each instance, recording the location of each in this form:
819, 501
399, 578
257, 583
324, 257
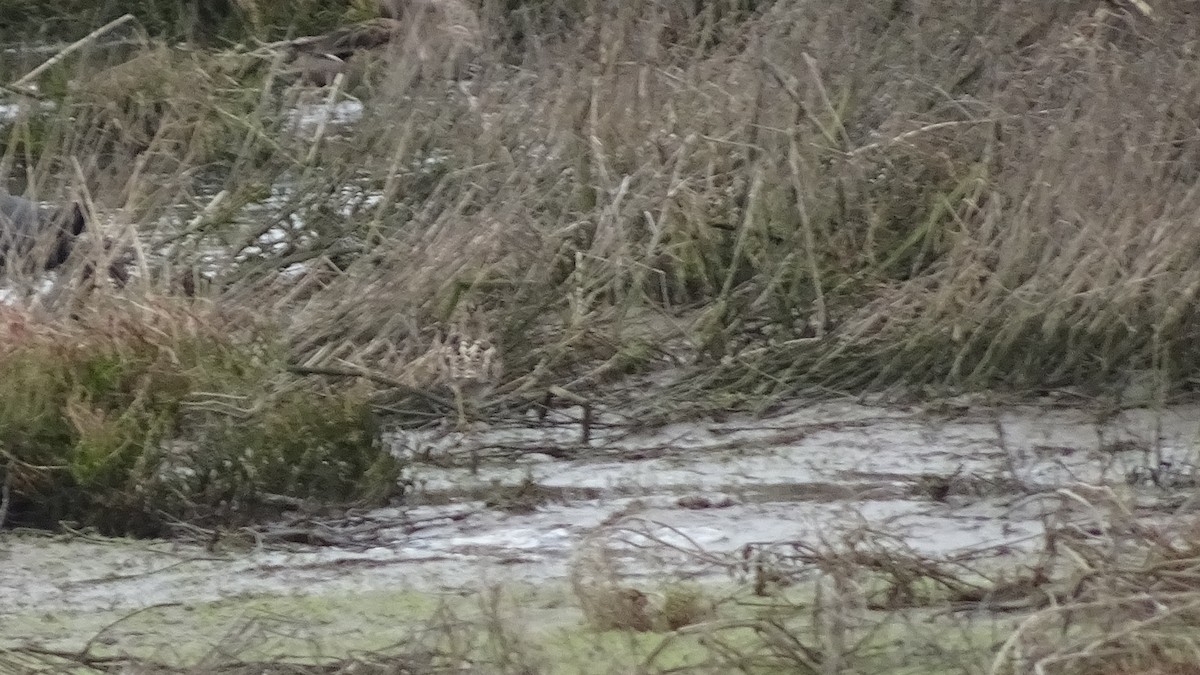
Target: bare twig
21, 83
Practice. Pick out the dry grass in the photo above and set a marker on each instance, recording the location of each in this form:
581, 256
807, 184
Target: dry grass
787, 197
757, 199
943, 194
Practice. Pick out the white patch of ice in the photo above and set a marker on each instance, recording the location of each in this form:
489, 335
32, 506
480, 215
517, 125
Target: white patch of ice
306, 116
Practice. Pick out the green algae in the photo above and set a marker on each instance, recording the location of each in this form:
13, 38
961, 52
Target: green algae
533, 624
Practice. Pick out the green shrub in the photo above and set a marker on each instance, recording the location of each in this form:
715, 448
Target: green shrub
117, 425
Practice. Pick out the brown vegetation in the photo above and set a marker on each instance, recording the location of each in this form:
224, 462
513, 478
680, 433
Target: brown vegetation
761, 198
844, 198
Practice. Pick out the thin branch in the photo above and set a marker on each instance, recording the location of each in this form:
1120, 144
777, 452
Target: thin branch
21, 84
374, 377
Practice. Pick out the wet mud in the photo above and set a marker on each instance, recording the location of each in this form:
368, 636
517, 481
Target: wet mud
515, 505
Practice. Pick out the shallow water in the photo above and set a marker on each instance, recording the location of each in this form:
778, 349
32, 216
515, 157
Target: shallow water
659, 498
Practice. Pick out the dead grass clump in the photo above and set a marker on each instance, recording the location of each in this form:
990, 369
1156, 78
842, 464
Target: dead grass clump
187, 107
685, 604
151, 412
1032, 235
843, 224
842, 198
609, 602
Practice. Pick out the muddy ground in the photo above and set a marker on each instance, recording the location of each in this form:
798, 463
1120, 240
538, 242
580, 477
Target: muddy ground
514, 506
